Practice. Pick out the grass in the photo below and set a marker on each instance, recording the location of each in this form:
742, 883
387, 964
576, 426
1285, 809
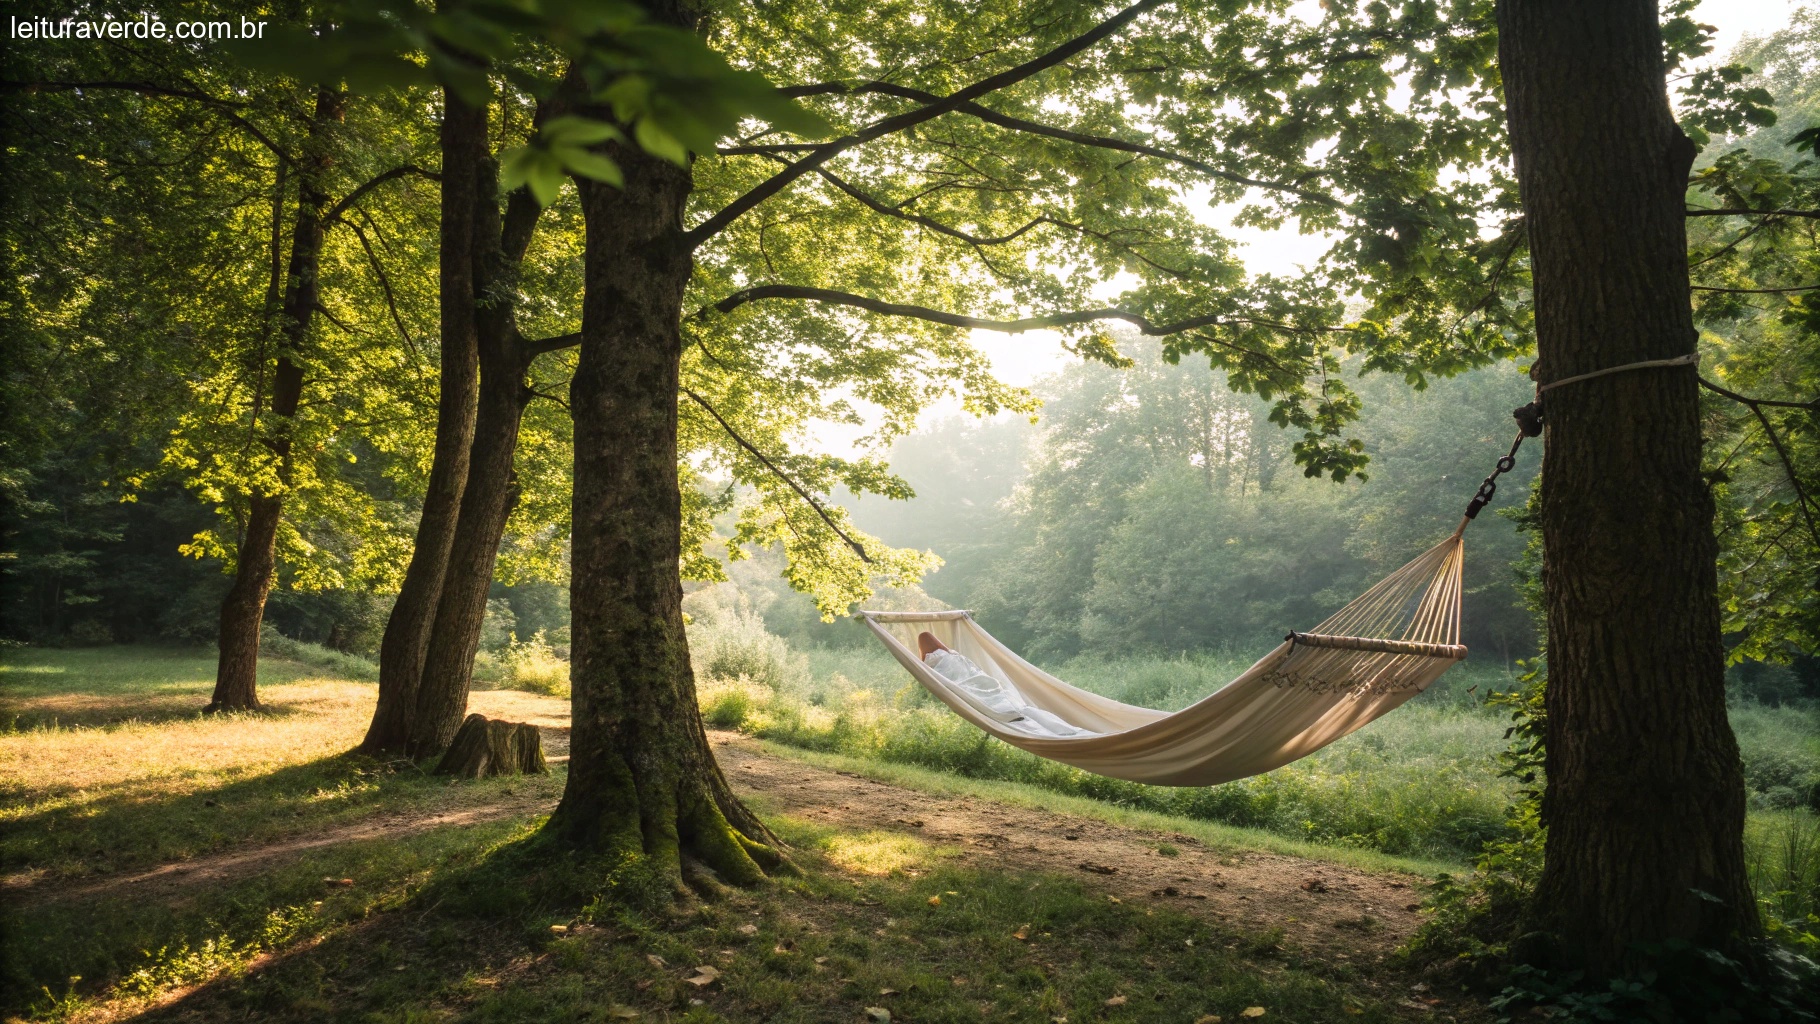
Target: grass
1415, 784
479, 920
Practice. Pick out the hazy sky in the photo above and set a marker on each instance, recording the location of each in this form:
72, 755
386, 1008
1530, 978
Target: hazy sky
1021, 358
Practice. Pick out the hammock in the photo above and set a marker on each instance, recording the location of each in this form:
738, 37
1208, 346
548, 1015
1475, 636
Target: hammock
1365, 660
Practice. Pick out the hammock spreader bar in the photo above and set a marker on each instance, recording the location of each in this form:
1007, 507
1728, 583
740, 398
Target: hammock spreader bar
1368, 643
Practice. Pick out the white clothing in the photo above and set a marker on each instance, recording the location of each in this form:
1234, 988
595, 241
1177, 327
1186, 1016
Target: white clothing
996, 698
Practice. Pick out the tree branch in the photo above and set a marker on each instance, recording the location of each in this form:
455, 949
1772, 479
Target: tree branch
1757, 291
1034, 323
991, 116
694, 237
1695, 211
858, 548
1755, 405
369, 185
555, 344
226, 107
385, 285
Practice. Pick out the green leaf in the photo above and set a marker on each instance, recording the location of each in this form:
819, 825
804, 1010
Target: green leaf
660, 143
589, 165
569, 130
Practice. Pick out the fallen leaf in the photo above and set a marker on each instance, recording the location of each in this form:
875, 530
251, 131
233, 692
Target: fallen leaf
559, 928
1208, 1018
1023, 932
821, 959
643, 984
935, 901
780, 950
748, 929
655, 960
619, 1012
1114, 899
1116, 1001
1252, 1011
878, 1013
704, 975
887, 991
1314, 885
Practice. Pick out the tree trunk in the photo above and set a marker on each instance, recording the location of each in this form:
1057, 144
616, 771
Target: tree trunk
642, 780
492, 490
256, 562
484, 748
1645, 798
407, 633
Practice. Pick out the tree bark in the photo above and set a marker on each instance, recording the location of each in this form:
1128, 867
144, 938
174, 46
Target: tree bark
492, 489
407, 633
642, 781
256, 562
484, 748
1645, 798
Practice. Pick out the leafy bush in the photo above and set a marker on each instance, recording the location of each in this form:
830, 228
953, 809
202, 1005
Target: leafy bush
736, 645
530, 665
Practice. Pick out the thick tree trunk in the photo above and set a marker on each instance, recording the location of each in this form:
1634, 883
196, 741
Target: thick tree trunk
642, 780
407, 634
442, 696
256, 562
1645, 799
486, 504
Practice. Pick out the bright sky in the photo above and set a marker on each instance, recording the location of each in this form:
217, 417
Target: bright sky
1019, 359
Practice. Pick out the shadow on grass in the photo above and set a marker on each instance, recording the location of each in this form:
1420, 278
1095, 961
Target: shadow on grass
135, 943
66, 844
522, 929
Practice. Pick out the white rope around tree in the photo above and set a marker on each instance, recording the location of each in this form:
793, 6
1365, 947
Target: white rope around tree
1366, 659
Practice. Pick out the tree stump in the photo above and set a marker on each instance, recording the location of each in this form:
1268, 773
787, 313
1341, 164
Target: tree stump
482, 748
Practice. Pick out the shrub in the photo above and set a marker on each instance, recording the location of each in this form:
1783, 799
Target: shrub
736, 645
532, 665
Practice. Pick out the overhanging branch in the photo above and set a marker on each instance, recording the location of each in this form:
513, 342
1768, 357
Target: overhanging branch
707, 229
372, 183
858, 548
1755, 405
1700, 212
557, 343
1034, 323
991, 116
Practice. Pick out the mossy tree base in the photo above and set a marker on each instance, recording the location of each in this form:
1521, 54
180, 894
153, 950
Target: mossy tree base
483, 747
643, 785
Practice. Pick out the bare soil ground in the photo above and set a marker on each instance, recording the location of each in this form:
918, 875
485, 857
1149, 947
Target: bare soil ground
1320, 906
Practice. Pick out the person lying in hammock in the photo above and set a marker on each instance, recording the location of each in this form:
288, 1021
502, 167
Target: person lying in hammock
994, 697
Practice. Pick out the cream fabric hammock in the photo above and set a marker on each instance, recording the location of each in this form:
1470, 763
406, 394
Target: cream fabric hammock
1365, 660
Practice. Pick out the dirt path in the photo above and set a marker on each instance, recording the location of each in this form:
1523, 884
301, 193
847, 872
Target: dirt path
1317, 905
169, 881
